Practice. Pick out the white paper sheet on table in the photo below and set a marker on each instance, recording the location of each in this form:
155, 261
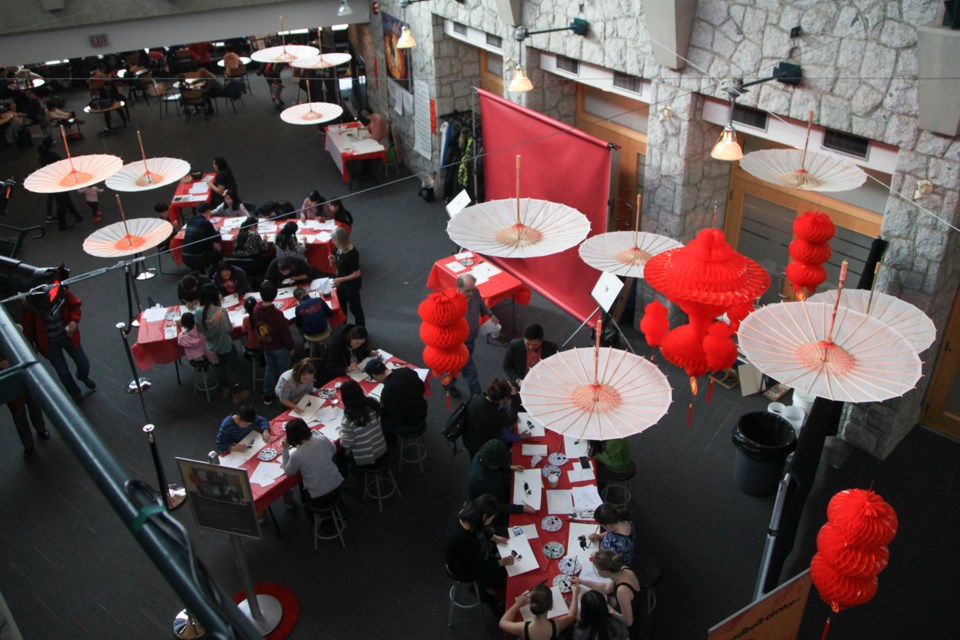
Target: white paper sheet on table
266, 473
232, 223
329, 415
311, 224
455, 266
170, 332
577, 529
533, 450
526, 422
384, 354
285, 292
290, 313
323, 285
524, 560
559, 607
231, 300
559, 501
375, 392
485, 270
236, 459
586, 497
154, 314
479, 278
529, 530
331, 431
422, 373
533, 493
198, 188
236, 316
322, 237
574, 448
579, 474
463, 255
309, 405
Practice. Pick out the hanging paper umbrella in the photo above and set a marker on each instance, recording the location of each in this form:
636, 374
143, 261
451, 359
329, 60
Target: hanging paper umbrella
596, 394
127, 237
148, 173
283, 54
73, 172
322, 61
624, 253
907, 320
311, 113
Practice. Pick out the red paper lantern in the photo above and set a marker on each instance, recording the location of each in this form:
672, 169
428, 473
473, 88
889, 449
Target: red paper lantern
446, 361
806, 277
814, 226
809, 252
719, 348
445, 337
655, 323
444, 308
840, 591
862, 517
859, 562
683, 347
738, 313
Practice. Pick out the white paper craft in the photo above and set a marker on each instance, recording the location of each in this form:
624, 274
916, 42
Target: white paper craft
236, 317
290, 313
236, 459
455, 266
231, 300
579, 474
576, 530
170, 332
526, 422
285, 292
266, 474
153, 314
375, 392
232, 223
586, 498
329, 415
533, 479
575, 448
559, 607
308, 407
463, 255
529, 530
533, 450
559, 502
485, 270
524, 560
199, 188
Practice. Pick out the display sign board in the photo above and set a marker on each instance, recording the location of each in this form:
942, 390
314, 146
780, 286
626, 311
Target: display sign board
606, 290
776, 615
220, 497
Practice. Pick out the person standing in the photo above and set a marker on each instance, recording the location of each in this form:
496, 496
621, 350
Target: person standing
223, 181
25, 410
467, 285
62, 199
52, 326
348, 276
403, 409
214, 323
275, 339
91, 195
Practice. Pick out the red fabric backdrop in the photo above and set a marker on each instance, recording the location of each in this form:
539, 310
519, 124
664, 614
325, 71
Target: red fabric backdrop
559, 164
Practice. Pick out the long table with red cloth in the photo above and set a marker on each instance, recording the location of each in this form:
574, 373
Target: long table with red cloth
264, 496
351, 141
314, 235
157, 339
548, 567
183, 198
494, 284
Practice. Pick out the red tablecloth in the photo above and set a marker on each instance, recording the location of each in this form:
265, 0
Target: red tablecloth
316, 240
264, 496
183, 199
341, 139
497, 288
548, 567
153, 347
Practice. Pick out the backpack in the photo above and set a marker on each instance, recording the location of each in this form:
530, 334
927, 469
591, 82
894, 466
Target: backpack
456, 424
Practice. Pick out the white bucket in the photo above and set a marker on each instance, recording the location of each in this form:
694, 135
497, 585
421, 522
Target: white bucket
803, 400
794, 415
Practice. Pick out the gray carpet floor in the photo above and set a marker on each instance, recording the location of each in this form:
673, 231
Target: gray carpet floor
68, 569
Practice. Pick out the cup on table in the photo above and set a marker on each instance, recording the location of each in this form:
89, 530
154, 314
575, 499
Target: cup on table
553, 479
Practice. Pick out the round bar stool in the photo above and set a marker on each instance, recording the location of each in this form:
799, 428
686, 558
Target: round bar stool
379, 483
474, 589
314, 340
328, 513
255, 356
648, 574
202, 380
617, 484
412, 448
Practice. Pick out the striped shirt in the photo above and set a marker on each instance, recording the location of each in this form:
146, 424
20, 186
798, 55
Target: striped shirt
365, 442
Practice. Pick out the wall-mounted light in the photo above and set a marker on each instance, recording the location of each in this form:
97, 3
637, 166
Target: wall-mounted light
521, 83
344, 9
406, 40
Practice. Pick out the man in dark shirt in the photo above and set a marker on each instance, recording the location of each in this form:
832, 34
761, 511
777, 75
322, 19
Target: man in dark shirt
402, 405
275, 339
524, 353
237, 426
201, 240
292, 268
311, 313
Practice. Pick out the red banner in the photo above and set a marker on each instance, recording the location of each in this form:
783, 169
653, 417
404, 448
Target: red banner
560, 164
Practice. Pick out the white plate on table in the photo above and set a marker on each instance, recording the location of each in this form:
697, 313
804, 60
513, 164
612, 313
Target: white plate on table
267, 454
557, 459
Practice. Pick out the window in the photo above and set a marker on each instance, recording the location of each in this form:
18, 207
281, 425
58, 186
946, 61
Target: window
749, 116
846, 143
459, 28
568, 64
627, 82
494, 41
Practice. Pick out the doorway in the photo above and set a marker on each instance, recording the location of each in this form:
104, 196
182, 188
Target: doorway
941, 410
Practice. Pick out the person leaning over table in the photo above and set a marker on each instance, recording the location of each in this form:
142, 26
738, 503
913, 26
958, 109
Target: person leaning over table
231, 279
201, 241
617, 531
471, 553
292, 268
490, 473
403, 408
214, 323
230, 207
312, 207
238, 426
311, 313
286, 242
311, 457
467, 285
613, 458
598, 620
295, 383
249, 242
275, 339
625, 587
348, 280
524, 353
540, 599
349, 346
335, 211
360, 433
188, 290
489, 418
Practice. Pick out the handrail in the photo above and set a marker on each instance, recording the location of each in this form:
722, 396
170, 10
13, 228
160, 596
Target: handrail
22, 235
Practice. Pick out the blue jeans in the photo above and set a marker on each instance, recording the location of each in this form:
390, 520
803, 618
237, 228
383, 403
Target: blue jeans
59, 362
277, 361
469, 371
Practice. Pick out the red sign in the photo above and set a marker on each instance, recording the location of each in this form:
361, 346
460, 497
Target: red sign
99, 40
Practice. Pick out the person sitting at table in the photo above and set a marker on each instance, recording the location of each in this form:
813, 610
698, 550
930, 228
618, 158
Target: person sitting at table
230, 207
286, 242
489, 417
613, 459
616, 531
540, 599
214, 323
524, 353
360, 433
231, 279
625, 587
275, 339
490, 472
312, 457
292, 268
471, 552
313, 207
597, 620
348, 280
238, 426
201, 240
232, 64
277, 210
295, 383
222, 181
188, 290
193, 343
249, 243
403, 408
109, 95
377, 128
311, 313
349, 346
335, 211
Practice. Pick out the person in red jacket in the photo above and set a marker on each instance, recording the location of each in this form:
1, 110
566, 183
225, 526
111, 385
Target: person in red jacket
51, 324
275, 338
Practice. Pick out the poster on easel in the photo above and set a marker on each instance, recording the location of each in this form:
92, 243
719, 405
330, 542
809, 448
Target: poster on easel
777, 614
220, 497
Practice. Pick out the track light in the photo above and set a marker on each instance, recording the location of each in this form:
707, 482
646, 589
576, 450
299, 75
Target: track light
344, 9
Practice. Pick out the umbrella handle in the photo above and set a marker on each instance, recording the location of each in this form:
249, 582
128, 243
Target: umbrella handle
283, 41
873, 287
636, 222
123, 217
836, 303
518, 189
596, 353
806, 142
146, 169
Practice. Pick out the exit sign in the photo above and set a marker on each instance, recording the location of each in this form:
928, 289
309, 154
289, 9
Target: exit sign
99, 40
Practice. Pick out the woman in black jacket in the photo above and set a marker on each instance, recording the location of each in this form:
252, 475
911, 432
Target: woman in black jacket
349, 346
489, 417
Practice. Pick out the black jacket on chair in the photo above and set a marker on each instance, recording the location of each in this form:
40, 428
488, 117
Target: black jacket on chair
515, 359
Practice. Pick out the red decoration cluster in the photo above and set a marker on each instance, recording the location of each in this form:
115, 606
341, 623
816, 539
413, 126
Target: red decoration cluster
852, 548
443, 331
655, 323
810, 249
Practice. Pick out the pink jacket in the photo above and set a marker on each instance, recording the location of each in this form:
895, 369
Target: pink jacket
195, 346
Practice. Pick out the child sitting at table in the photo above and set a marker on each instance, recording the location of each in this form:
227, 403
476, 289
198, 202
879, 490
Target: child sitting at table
193, 343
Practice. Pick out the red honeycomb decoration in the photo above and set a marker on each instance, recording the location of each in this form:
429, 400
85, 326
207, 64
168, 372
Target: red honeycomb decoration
443, 331
810, 249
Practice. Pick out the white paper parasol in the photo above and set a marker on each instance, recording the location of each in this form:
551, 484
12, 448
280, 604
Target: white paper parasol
624, 253
804, 170
72, 173
907, 320
597, 394
322, 61
149, 173
311, 113
127, 237
285, 53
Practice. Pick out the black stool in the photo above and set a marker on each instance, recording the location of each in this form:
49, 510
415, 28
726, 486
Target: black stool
201, 377
330, 512
255, 356
618, 481
412, 442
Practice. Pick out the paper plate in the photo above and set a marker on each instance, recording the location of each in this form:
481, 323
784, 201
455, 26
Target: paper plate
551, 523
267, 454
547, 469
553, 550
569, 565
557, 459
563, 583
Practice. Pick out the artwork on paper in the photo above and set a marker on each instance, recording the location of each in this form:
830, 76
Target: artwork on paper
398, 60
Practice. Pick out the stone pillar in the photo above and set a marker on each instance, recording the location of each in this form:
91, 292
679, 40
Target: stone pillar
920, 267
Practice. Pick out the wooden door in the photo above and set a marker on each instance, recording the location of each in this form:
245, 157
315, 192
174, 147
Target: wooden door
941, 410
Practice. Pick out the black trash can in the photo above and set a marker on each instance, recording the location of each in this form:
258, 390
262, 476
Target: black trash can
763, 441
